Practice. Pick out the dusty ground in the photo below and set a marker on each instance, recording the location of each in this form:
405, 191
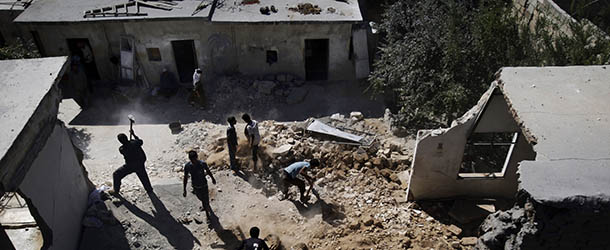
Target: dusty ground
361, 202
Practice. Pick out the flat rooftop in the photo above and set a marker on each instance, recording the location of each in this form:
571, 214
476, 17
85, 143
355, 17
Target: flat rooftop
566, 113
73, 10
225, 11
12, 5
24, 84
330, 10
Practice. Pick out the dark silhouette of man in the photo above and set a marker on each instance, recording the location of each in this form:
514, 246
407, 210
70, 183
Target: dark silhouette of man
253, 243
134, 162
198, 169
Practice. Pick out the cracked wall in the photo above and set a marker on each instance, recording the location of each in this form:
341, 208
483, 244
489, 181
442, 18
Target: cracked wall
438, 155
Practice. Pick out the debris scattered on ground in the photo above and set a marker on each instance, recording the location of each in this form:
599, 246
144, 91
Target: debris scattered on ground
244, 2
306, 9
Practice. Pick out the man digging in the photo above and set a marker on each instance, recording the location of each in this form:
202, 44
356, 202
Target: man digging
198, 170
290, 177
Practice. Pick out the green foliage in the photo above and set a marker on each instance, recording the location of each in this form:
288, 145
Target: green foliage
18, 50
439, 56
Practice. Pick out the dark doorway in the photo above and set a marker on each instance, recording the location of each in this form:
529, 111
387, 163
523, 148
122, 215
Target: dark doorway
186, 59
316, 59
82, 48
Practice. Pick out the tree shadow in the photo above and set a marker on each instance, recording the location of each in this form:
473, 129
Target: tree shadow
177, 235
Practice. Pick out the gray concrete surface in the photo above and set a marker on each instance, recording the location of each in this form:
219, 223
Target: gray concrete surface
566, 183
24, 84
344, 11
28, 108
57, 186
566, 109
73, 11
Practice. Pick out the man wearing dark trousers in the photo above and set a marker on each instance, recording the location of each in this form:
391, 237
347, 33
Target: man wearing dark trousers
198, 169
232, 142
134, 162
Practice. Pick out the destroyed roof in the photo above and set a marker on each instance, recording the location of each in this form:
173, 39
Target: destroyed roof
28, 99
330, 10
73, 10
225, 11
565, 112
12, 4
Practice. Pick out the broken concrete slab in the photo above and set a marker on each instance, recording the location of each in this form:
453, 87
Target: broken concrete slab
321, 128
567, 183
16, 217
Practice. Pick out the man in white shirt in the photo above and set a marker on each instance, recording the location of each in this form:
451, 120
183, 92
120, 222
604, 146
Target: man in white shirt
254, 137
197, 95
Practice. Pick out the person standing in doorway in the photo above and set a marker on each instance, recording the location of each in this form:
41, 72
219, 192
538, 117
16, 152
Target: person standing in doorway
198, 169
253, 135
134, 162
232, 142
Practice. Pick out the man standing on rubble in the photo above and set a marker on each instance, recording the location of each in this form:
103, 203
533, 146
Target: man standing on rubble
290, 177
254, 137
232, 142
134, 162
198, 170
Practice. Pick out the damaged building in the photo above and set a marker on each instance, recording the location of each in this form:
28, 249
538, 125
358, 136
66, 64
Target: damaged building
9, 10
538, 136
44, 187
136, 40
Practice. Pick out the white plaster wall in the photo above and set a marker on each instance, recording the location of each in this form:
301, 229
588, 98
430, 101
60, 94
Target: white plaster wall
221, 48
57, 187
435, 168
104, 39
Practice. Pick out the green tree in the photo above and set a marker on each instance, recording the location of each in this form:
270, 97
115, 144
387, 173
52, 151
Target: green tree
18, 50
439, 56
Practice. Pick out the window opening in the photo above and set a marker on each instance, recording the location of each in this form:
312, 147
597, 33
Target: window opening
271, 56
153, 54
487, 154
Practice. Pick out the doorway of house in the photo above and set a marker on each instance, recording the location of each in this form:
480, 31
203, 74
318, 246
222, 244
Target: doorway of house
186, 59
82, 48
316, 59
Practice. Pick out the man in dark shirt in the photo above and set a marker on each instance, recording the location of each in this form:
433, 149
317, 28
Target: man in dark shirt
232, 142
134, 162
198, 170
254, 243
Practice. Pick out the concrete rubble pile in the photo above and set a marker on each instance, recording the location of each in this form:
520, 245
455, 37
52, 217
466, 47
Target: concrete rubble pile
362, 188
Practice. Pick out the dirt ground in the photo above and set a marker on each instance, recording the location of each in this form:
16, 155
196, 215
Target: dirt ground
361, 204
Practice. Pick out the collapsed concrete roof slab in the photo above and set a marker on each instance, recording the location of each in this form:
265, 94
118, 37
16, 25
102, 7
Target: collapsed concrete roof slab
28, 109
563, 116
565, 111
331, 11
570, 183
73, 11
